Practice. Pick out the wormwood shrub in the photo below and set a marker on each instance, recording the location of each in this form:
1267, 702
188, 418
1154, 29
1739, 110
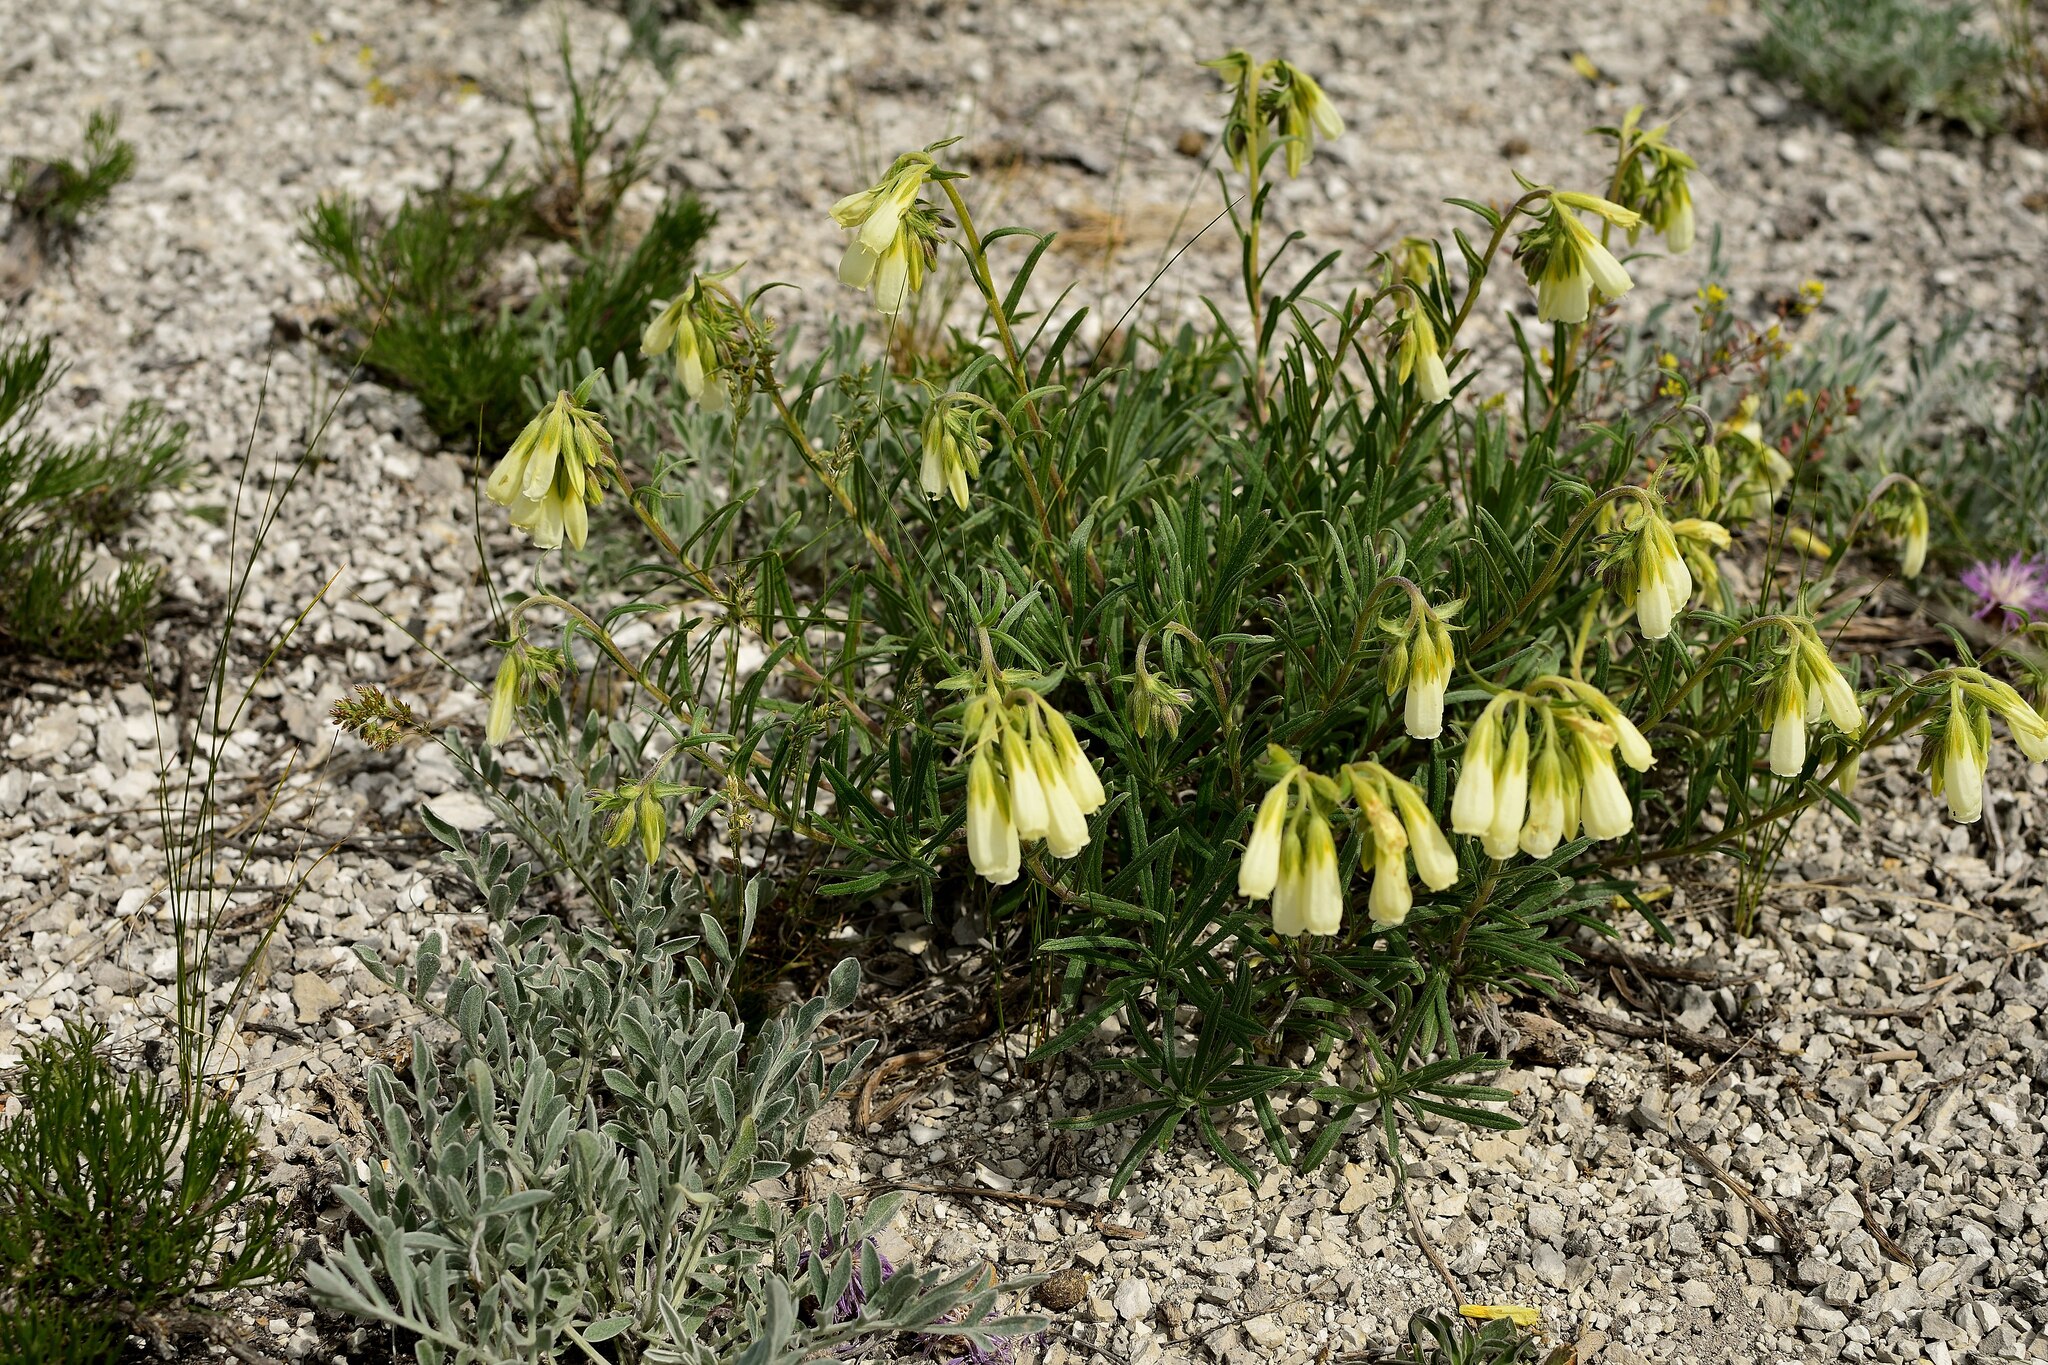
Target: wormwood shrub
426, 297
119, 1199
59, 501
582, 1173
1877, 64
1291, 705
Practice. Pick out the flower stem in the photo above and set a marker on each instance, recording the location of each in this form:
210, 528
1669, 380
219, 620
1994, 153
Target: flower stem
977, 264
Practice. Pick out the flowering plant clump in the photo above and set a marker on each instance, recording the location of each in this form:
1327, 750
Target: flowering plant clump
1262, 685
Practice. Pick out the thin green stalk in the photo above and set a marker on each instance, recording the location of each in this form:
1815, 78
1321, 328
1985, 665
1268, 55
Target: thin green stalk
977, 264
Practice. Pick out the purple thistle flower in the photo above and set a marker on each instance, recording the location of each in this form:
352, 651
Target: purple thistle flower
855, 1296
2017, 585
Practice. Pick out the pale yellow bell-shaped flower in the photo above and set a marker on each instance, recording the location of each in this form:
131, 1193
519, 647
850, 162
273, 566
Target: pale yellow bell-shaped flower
1959, 758
1420, 358
1080, 775
1259, 870
1603, 801
1066, 828
1472, 802
1321, 889
1837, 697
1573, 263
1391, 897
1510, 793
1435, 862
1431, 660
1290, 893
1543, 830
1628, 740
504, 701
992, 843
1788, 725
1028, 809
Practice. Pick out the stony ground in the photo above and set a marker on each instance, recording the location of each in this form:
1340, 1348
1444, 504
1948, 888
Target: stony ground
1830, 1149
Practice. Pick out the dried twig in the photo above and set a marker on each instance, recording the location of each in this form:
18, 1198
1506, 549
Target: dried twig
1629, 1028
1884, 1239
1669, 971
1790, 1240
1428, 1247
864, 1112
1021, 1199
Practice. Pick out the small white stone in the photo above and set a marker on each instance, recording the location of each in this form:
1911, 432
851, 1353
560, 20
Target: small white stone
461, 810
1133, 1301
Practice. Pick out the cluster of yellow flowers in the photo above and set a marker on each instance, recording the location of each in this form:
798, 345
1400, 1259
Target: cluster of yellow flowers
1805, 688
1292, 855
895, 237
953, 444
698, 326
1515, 795
1275, 96
1655, 180
525, 674
1028, 780
1420, 660
554, 471
1566, 263
1957, 747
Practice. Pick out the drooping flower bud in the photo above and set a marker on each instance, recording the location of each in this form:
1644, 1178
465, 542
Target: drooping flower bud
1957, 753
504, 702
952, 447
1902, 513
1420, 357
1435, 863
1662, 583
525, 674
1421, 660
1154, 701
1304, 112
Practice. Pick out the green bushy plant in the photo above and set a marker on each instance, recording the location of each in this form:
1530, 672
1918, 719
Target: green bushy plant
1181, 638
59, 501
1878, 64
584, 1171
119, 1199
52, 199
1448, 1339
425, 295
